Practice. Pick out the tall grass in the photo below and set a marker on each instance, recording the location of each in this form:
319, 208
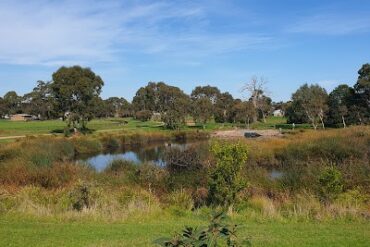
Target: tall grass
38, 176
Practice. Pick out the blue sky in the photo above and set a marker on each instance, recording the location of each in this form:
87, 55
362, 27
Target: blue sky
185, 43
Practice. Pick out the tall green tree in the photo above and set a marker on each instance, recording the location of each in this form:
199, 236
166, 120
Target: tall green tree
313, 101
223, 107
40, 102
362, 94
2, 107
12, 103
244, 112
146, 98
118, 107
76, 90
202, 111
171, 102
209, 92
339, 103
204, 100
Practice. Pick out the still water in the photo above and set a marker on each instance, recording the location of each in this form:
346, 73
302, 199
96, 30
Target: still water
154, 153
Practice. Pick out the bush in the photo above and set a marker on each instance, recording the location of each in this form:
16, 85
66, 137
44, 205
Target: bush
225, 177
178, 160
110, 144
330, 184
85, 145
150, 175
143, 115
81, 197
218, 233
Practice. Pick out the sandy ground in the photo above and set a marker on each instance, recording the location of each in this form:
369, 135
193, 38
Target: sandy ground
238, 133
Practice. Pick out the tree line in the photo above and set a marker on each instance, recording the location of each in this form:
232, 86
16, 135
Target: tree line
73, 94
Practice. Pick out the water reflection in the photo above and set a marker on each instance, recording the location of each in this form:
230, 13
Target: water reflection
154, 153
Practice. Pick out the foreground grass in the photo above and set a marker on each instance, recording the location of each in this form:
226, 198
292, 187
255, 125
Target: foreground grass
18, 231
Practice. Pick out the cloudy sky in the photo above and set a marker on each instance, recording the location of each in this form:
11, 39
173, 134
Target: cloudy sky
185, 43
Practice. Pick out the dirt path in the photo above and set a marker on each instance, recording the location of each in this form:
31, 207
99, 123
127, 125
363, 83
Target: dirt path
22, 136
238, 133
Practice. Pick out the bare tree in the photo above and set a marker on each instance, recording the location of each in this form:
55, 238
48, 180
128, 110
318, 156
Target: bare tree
257, 91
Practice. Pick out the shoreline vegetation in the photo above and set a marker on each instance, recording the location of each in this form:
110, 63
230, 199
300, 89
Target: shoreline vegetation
325, 186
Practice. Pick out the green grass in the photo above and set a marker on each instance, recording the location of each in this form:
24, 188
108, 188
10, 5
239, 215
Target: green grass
16, 231
13, 128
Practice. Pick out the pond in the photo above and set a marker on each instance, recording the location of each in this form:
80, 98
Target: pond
154, 153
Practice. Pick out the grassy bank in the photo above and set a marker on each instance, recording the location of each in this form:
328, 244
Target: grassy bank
16, 231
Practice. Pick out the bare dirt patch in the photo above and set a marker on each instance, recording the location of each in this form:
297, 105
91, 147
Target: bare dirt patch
239, 133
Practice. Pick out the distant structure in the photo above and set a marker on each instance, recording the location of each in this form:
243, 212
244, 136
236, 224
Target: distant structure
22, 117
278, 113
156, 117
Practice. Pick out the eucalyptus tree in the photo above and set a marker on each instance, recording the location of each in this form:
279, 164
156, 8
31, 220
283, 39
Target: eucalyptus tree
313, 101
362, 94
170, 101
12, 103
204, 100
76, 90
339, 103
40, 101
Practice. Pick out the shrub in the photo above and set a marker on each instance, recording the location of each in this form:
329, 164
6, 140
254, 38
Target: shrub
143, 115
150, 175
330, 184
218, 233
182, 160
225, 177
110, 143
85, 145
81, 197
200, 196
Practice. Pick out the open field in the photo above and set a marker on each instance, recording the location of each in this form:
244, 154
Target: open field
41, 232
13, 129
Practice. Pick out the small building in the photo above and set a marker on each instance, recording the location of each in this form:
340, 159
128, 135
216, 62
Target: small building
278, 113
21, 117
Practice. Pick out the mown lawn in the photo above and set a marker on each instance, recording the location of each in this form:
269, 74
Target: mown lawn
12, 128
32, 232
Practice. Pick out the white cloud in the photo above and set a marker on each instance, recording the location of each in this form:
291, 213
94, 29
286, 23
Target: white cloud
329, 24
69, 32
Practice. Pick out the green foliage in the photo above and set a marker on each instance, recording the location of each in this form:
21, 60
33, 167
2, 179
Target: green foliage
330, 183
312, 102
75, 90
110, 143
225, 177
218, 233
361, 104
85, 145
81, 197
